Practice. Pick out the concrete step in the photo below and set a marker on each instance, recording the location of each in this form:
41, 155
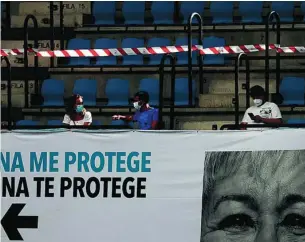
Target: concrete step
203, 125
228, 86
220, 100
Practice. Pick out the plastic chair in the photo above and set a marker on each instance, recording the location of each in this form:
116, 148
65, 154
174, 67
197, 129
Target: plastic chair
222, 12
26, 123
96, 122
117, 91
104, 12
118, 122
157, 42
296, 121
152, 87
134, 12
105, 43
182, 58
303, 9
86, 88
293, 89
181, 92
76, 44
213, 59
55, 122
251, 12
52, 91
189, 7
163, 12
284, 9
132, 43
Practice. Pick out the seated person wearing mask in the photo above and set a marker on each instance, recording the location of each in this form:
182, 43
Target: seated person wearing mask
76, 114
261, 112
145, 117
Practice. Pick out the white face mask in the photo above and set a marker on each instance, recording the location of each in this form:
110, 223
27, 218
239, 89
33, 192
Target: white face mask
257, 102
136, 105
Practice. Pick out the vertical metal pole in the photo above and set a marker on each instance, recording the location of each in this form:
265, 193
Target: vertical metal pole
61, 23
190, 64
25, 55
247, 81
9, 91
267, 43
52, 31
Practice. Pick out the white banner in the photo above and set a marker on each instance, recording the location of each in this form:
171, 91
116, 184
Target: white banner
153, 186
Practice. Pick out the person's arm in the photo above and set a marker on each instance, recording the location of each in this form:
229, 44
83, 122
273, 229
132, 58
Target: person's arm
127, 118
87, 119
66, 120
246, 119
155, 120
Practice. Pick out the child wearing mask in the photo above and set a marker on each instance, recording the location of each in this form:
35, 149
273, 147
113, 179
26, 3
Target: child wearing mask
145, 117
261, 112
76, 114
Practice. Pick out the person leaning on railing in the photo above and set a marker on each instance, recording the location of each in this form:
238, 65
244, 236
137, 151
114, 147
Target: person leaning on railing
262, 112
145, 117
76, 114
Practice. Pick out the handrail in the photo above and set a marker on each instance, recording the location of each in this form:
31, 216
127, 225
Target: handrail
236, 99
161, 88
278, 40
9, 90
237, 127
190, 51
52, 31
25, 56
61, 24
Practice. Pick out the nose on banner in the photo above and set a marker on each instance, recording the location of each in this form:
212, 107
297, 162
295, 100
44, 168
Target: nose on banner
155, 50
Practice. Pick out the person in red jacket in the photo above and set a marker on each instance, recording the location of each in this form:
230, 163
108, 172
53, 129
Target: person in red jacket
145, 117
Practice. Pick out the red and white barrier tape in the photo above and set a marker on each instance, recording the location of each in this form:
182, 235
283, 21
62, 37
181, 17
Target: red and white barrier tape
154, 51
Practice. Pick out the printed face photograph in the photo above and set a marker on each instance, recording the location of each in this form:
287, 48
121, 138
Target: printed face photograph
253, 196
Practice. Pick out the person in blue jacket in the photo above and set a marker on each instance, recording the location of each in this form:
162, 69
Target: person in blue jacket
145, 117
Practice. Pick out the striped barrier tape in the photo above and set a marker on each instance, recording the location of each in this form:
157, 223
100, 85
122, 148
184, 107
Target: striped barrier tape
154, 51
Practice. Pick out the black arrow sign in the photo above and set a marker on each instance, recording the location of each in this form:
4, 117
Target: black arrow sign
11, 221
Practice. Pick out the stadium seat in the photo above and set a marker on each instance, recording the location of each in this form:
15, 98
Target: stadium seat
303, 10
96, 122
152, 87
52, 91
132, 43
189, 7
105, 43
157, 42
55, 122
181, 92
213, 59
118, 122
74, 44
86, 88
251, 12
163, 12
117, 91
182, 58
104, 12
134, 12
26, 123
222, 12
284, 9
296, 121
293, 89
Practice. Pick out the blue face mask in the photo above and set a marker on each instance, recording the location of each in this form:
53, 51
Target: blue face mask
79, 108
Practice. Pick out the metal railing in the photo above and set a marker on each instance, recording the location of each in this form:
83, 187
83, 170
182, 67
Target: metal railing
9, 90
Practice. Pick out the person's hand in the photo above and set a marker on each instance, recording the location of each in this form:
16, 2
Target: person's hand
258, 119
117, 117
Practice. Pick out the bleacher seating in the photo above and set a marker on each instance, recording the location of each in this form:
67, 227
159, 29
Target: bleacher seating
26, 123
151, 86
251, 12
117, 92
104, 12
293, 90
213, 41
181, 92
284, 9
75, 44
118, 122
134, 12
296, 121
189, 7
86, 88
105, 43
182, 58
222, 12
132, 43
163, 12
303, 10
54, 122
52, 91
155, 42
